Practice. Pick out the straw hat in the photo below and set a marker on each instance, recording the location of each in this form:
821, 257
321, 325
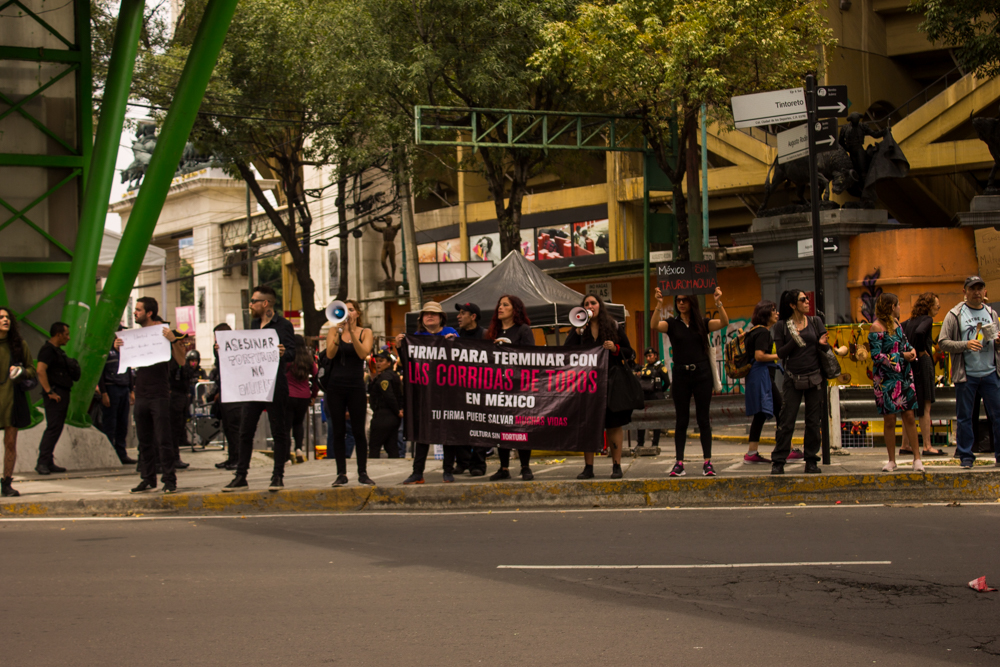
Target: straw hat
432, 307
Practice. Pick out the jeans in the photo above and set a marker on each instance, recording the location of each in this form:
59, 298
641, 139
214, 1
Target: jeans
401, 440
340, 401
791, 399
114, 419
697, 384
276, 419
152, 428
55, 419
965, 394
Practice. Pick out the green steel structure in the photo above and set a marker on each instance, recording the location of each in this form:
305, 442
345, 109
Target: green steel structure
559, 130
56, 174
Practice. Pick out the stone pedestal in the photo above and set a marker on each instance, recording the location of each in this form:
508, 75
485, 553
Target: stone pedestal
984, 211
77, 449
775, 242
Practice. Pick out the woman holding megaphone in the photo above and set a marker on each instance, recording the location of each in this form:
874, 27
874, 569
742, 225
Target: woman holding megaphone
348, 344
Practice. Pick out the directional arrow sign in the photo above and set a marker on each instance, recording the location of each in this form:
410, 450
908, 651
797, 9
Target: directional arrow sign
794, 143
830, 245
831, 101
777, 106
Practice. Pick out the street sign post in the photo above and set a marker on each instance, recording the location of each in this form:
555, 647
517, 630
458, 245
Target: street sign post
770, 108
794, 143
831, 101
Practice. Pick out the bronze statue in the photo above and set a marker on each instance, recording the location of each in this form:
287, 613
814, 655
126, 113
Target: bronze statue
142, 153
852, 139
988, 131
388, 232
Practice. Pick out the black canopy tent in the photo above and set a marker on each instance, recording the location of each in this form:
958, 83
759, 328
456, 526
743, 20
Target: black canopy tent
547, 300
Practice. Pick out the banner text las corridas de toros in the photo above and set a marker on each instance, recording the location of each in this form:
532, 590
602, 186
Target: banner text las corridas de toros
482, 394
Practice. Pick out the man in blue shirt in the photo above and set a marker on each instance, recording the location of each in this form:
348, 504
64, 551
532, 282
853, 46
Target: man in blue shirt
969, 333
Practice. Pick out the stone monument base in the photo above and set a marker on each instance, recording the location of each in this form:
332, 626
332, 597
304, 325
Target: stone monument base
984, 211
77, 449
844, 217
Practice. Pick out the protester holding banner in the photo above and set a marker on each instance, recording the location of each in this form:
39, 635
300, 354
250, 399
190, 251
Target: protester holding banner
16, 370
431, 323
511, 326
347, 347
229, 414
472, 459
468, 317
263, 305
688, 332
799, 339
152, 402
763, 400
603, 330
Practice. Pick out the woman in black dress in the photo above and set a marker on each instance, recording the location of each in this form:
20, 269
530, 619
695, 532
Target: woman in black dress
347, 346
604, 331
688, 332
918, 330
511, 326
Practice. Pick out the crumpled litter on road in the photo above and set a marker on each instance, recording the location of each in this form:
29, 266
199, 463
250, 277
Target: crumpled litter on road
980, 585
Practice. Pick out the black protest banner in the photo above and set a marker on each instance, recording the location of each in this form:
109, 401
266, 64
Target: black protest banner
686, 278
468, 392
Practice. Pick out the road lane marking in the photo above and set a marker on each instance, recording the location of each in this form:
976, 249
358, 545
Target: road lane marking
697, 566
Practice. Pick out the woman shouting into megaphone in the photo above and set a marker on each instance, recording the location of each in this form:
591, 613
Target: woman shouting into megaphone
348, 344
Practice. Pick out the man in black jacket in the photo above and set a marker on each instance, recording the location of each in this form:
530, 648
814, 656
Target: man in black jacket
468, 317
56, 374
263, 307
116, 395
385, 396
472, 459
654, 380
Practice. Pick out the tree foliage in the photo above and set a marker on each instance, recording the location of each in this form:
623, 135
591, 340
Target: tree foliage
663, 59
972, 26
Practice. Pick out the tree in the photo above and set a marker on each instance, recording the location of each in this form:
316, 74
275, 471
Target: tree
662, 59
186, 272
463, 53
973, 26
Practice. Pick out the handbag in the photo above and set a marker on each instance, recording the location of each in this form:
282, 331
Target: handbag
829, 365
624, 390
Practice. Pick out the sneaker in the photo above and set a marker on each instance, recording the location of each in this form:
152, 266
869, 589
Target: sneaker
476, 472
448, 477
340, 481
499, 475
918, 465
890, 467
707, 470
968, 463
526, 474
363, 478
222, 465
616, 471
414, 479
239, 483
144, 487
170, 487
678, 470
588, 473
812, 468
795, 454
277, 483
777, 468
754, 457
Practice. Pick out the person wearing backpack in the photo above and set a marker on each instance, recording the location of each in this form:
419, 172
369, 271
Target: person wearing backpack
763, 400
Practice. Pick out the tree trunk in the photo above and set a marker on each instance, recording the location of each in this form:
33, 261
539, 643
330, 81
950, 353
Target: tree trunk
693, 190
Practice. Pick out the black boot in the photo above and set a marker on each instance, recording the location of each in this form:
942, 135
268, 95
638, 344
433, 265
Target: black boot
6, 490
588, 472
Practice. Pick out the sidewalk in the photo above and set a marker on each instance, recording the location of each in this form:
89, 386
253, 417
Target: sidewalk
853, 476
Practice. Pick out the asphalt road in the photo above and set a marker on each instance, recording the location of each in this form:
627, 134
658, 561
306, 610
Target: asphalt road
425, 589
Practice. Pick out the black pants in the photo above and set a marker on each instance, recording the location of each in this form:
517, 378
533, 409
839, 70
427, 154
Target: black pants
295, 416
384, 435
276, 419
523, 454
114, 419
55, 419
231, 415
477, 459
791, 400
687, 384
340, 401
656, 437
152, 428
178, 421
420, 451
757, 425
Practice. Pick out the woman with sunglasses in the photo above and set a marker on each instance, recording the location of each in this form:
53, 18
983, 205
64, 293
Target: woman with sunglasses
799, 338
688, 331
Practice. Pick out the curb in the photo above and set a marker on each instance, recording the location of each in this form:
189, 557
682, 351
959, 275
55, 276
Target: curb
764, 490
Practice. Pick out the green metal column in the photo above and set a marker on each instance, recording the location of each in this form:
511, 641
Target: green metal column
81, 289
152, 194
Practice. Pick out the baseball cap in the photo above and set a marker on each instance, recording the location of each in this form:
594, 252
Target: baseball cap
470, 308
974, 280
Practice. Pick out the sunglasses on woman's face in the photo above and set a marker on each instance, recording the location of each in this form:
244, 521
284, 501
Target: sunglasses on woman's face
803, 299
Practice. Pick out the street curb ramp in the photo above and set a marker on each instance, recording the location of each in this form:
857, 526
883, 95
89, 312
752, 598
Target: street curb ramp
671, 492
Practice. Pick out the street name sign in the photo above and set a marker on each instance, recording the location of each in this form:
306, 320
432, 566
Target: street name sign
831, 244
776, 106
794, 143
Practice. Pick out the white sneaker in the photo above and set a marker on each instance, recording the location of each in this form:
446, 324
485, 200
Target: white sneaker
918, 465
889, 467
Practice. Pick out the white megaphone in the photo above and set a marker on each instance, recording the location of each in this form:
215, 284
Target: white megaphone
336, 312
579, 317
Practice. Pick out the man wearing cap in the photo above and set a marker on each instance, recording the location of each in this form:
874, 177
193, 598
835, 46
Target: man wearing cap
472, 459
468, 321
969, 333
385, 396
432, 323
654, 380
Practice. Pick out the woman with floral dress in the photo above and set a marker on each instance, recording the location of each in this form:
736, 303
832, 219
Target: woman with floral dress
892, 376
